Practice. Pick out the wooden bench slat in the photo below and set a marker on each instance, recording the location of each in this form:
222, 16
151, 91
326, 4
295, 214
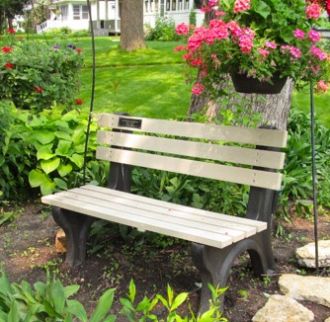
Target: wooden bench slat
127, 210
240, 223
140, 222
251, 177
193, 220
264, 137
240, 155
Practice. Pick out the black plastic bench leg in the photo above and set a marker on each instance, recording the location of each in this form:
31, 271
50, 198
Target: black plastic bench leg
76, 228
214, 264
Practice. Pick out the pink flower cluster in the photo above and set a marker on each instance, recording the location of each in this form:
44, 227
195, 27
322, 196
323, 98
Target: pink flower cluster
313, 11
182, 29
292, 50
242, 5
318, 53
322, 86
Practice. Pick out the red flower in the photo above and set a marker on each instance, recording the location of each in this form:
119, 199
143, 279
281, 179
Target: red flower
6, 49
9, 65
38, 89
78, 50
11, 31
78, 101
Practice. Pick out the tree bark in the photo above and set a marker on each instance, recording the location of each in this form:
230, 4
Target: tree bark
132, 34
273, 109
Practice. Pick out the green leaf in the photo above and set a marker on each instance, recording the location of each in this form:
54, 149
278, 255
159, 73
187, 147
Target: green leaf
64, 169
63, 148
44, 137
103, 306
131, 291
45, 152
110, 318
50, 165
13, 315
262, 9
71, 290
77, 309
47, 187
179, 300
37, 178
57, 296
60, 183
77, 159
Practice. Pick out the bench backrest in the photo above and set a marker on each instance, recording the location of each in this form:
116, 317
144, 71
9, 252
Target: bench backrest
194, 149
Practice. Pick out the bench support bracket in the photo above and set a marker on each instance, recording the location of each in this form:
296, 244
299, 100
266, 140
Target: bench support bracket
76, 228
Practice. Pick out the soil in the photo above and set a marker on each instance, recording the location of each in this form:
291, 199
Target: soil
115, 256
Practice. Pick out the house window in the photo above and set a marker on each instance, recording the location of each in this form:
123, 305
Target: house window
84, 11
76, 12
186, 4
146, 6
174, 5
64, 12
168, 5
80, 12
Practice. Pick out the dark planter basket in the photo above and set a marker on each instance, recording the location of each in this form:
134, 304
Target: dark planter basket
198, 4
250, 85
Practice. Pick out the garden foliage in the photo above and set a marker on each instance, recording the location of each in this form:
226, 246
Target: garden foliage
50, 301
164, 30
36, 74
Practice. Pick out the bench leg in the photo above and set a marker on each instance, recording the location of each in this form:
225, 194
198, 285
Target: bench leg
76, 228
214, 264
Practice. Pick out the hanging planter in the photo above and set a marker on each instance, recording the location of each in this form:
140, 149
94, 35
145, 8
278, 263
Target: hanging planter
249, 85
198, 4
242, 36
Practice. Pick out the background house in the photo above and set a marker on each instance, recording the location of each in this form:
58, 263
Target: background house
73, 14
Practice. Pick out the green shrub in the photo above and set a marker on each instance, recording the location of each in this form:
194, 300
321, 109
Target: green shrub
50, 302
16, 157
164, 30
297, 184
35, 74
45, 149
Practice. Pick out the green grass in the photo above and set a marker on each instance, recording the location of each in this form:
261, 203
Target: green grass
149, 82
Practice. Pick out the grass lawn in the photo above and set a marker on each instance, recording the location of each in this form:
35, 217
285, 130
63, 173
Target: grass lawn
150, 82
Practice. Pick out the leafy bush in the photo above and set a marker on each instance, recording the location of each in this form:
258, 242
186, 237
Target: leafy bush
297, 184
35, 74
16, 157
164, 30
51, 302
45, 150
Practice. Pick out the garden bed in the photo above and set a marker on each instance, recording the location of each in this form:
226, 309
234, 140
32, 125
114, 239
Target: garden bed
27, 251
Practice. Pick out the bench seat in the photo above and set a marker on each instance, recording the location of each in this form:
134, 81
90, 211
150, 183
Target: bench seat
146, 214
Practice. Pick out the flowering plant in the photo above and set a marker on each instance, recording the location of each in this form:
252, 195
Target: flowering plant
35, 74
258, 38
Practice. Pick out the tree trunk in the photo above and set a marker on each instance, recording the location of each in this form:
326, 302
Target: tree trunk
132, 34
274, 109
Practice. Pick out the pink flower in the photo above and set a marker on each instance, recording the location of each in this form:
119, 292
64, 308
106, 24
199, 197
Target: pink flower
182, 29
271, 44
322, 86
295, 52
285, 49
180, 48
263, 52
219, 13
245, 44
196, 62
241, 5
213, 3
299, 34
197, 89
313, 11
318, 53
234, 28
314, 36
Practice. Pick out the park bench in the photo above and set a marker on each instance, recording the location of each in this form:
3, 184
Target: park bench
192, 149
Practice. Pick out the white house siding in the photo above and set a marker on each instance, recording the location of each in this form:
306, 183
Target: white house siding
106, 17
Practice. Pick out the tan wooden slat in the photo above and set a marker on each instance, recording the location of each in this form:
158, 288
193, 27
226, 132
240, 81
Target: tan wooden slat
197, 221
208, 216
254, 157
264, 137
144, 223
251, 177
127, 210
